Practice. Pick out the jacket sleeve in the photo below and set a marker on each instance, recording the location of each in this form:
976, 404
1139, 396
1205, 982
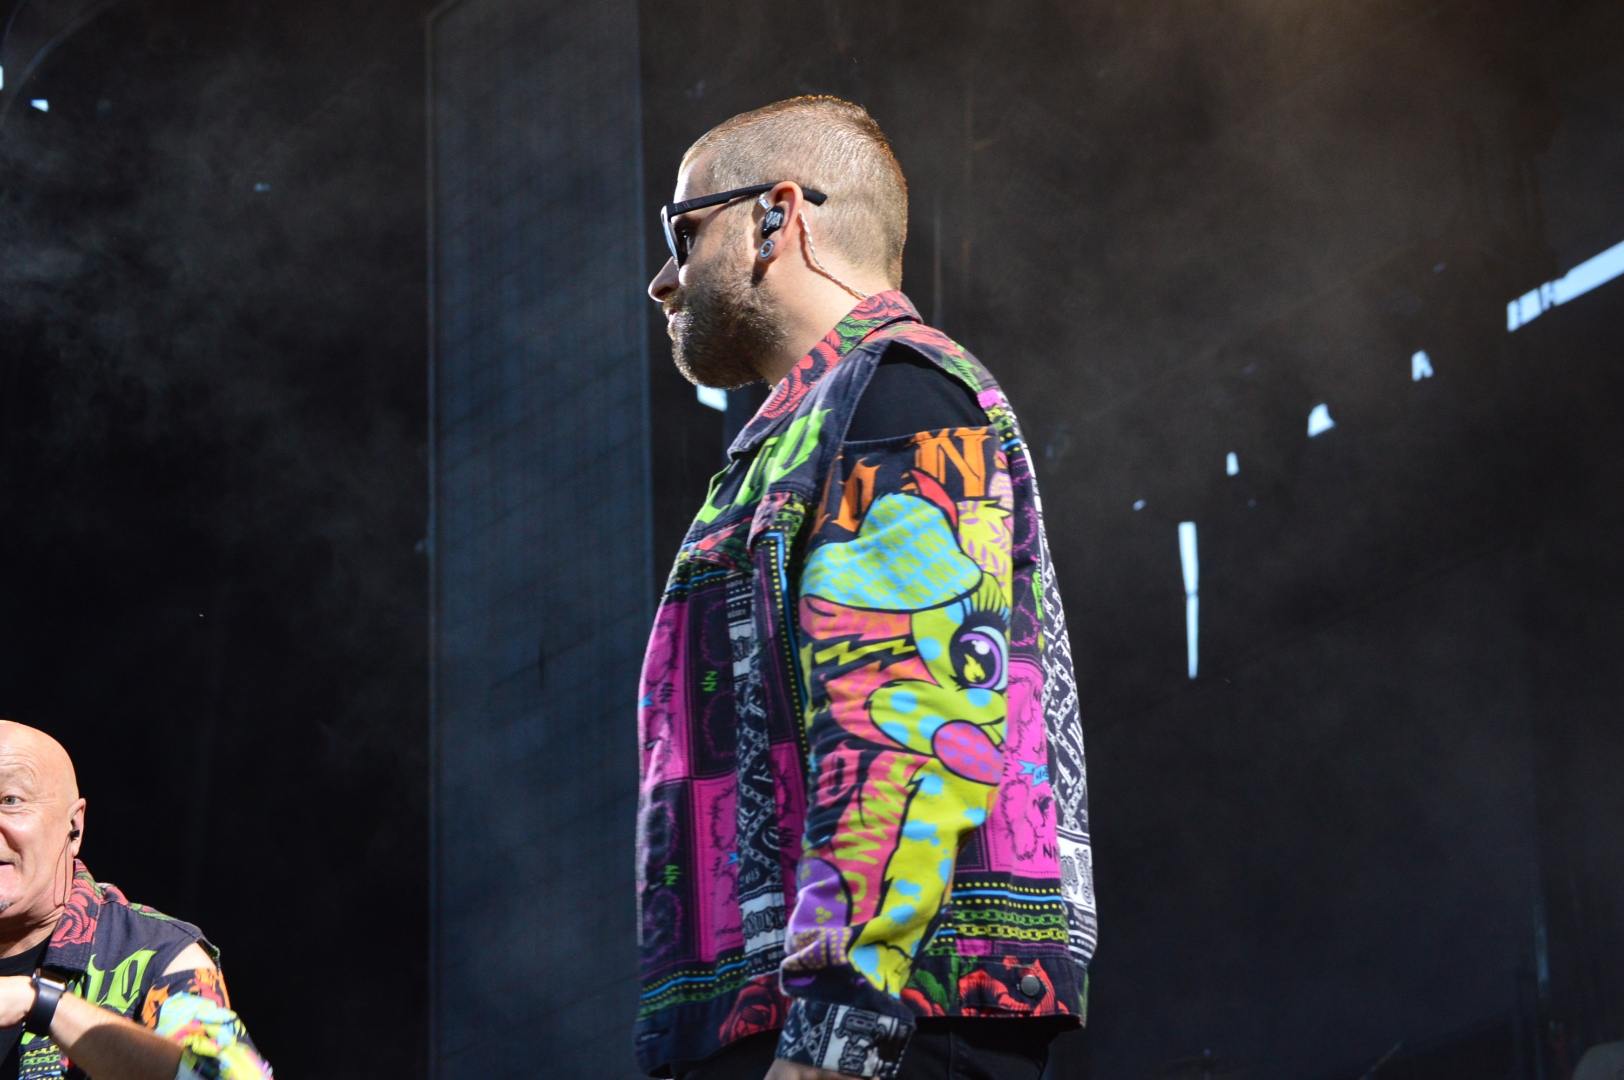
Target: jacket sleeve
192, 1008
904, 610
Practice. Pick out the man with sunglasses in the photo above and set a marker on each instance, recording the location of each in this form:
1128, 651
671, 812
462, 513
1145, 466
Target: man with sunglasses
863, 835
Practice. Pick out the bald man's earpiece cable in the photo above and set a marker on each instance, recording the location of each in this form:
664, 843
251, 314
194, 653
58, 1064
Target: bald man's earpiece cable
806, 231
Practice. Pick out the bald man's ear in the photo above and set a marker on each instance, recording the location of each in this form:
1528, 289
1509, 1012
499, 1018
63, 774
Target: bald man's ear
76, 827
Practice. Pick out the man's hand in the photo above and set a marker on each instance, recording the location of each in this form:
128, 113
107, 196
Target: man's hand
102, 1043
16, 998
794, 1070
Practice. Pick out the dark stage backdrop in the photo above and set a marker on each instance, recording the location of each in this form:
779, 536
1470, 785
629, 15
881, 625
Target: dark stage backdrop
1383, 822
212, 483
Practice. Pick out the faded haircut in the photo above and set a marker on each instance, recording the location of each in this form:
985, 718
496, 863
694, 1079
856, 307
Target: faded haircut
828, 145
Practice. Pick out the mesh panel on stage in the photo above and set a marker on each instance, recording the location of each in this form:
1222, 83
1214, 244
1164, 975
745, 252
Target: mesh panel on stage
542, 586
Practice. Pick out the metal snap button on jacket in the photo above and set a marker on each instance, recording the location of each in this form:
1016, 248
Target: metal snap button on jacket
1031, 986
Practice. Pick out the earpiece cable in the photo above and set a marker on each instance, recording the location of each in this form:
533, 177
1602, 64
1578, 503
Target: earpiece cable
806, 231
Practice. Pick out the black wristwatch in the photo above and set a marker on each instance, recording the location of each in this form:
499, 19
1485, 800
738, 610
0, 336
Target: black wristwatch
46, 996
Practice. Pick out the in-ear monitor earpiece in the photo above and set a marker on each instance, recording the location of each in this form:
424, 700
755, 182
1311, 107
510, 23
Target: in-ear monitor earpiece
772, 222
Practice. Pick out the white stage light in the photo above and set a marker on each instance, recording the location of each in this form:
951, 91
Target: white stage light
1192, 583
1576, 282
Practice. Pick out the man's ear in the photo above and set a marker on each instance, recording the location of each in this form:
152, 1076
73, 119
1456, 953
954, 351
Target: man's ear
778, 218
76, 826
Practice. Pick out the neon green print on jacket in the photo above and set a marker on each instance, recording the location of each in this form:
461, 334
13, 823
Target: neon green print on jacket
941, 728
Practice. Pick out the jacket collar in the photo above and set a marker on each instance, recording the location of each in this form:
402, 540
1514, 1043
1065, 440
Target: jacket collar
74, 940
868, 316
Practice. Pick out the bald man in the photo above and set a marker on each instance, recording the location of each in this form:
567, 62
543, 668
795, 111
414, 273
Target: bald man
90, 984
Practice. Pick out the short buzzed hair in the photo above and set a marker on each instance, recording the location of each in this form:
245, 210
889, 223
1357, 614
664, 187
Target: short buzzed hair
828, 145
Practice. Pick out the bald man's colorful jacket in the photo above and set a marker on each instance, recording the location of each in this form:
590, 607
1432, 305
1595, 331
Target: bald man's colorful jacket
114, 954
863, 798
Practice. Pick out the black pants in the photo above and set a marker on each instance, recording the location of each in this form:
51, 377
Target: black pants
939, 1050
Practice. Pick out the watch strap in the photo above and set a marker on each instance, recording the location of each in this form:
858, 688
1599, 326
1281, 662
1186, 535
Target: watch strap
47, 995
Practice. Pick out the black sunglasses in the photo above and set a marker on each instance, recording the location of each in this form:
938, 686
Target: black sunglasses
678, 242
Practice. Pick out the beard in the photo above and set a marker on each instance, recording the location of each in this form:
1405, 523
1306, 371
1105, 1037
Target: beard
723, 326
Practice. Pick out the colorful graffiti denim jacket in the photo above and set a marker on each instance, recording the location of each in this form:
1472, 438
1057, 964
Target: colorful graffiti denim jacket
863, 798
113, 954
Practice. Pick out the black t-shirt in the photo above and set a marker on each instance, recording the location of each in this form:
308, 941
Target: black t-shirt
11, 1038
908, 394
